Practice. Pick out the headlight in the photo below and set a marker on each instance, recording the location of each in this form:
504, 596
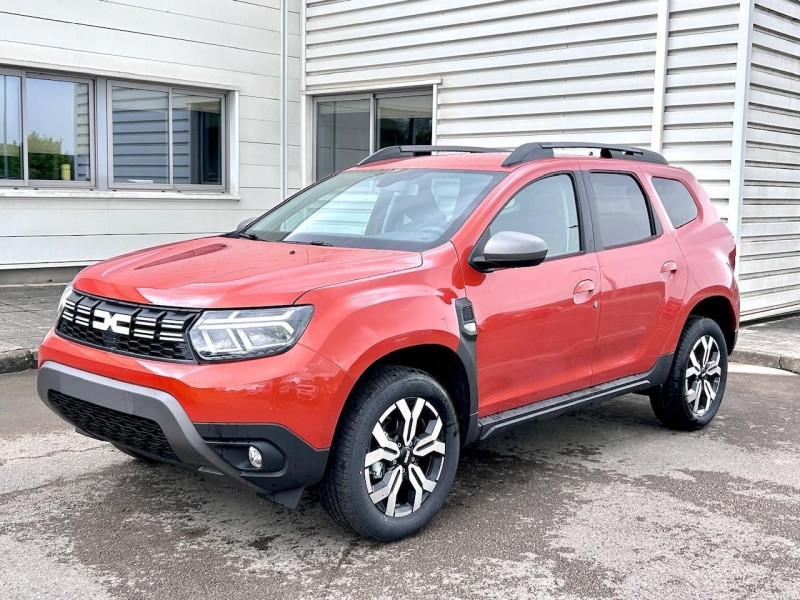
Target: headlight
249, 333
63, 301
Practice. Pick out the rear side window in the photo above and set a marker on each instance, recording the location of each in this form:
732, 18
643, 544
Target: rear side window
677, 201
622, 210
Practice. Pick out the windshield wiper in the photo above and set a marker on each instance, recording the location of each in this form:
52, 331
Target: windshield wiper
250, 236
307, 243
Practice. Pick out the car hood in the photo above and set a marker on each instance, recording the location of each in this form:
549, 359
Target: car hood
220, 272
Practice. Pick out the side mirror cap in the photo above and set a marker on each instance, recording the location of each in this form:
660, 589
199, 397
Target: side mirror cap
509, 249
246, 222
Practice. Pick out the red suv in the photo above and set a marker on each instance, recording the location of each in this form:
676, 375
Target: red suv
358, 334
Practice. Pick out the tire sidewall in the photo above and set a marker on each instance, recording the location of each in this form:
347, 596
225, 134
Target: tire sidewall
376, 523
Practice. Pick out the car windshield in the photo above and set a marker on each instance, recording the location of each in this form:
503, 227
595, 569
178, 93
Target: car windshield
398, 209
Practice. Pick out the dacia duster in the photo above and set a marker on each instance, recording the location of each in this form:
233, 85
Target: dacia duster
357, 335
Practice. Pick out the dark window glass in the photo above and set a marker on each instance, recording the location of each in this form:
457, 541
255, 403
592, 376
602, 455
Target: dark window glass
342, 134
677, 201
58, 129
404, 120
196, 139
622, 210
140, 129
401, 209
10, 127
546, 208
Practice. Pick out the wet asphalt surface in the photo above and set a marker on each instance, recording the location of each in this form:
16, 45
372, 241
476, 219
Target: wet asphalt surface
604, 503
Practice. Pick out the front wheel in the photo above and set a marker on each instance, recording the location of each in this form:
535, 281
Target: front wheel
394, 457
693, 392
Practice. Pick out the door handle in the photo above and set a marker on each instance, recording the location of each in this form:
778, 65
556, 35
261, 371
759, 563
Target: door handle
583, 291
669, 268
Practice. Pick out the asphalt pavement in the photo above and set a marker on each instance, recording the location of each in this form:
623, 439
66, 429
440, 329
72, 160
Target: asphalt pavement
604, 503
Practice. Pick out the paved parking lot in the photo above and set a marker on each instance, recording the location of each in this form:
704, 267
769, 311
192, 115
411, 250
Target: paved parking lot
601, 504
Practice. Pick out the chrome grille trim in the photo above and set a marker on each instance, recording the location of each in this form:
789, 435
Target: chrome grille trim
142, 330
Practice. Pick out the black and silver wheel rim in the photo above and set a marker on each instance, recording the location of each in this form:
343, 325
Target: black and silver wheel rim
703, 375
405, 457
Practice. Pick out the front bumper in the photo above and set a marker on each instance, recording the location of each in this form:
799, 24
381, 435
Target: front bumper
153, 423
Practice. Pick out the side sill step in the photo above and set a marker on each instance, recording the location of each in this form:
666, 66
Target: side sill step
558, 405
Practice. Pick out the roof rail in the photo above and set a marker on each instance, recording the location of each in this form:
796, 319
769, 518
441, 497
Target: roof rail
391, 152
539, 150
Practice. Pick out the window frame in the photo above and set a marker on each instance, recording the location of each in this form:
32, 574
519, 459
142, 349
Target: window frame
585, 241
170, 185
373, 97
26, 182
655, 223
664, 206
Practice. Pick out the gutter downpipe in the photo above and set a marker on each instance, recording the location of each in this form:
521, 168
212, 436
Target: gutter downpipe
284, 95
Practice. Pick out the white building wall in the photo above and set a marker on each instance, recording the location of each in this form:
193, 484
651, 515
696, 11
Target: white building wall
512, 72
770, 236
213, 44
659, 73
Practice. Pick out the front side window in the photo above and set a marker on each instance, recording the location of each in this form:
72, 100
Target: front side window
166, 137
56, 144
622, 209
401, 209
547, 208
677, 201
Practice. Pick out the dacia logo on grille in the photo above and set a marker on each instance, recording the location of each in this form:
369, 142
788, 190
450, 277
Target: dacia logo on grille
118, 323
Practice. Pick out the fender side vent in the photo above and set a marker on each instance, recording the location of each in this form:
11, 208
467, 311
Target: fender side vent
467, 314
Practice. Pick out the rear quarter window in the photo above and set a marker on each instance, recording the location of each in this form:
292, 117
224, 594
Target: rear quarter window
677, 201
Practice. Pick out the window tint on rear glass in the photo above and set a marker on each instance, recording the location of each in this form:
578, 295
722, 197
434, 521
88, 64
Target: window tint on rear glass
677, 201
622, 210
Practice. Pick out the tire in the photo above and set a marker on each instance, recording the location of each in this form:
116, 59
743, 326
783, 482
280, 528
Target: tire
692, 394
136, 455
365, 497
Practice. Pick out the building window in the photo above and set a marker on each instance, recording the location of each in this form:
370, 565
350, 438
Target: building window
349, 128
164, 137
343, 134
45, 130
404, 120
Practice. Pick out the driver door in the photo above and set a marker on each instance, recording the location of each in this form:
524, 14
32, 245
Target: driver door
537, 326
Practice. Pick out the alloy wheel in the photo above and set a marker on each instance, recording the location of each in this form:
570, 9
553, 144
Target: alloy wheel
405, 457
703, 375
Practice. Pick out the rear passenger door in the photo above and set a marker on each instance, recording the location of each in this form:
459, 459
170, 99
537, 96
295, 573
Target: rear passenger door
642, 272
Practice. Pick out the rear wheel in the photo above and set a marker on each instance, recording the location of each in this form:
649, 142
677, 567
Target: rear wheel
394, 457
693, 392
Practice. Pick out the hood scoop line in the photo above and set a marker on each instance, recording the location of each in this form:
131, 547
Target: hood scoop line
202, 251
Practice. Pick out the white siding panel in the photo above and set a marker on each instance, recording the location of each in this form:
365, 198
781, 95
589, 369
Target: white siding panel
510, 71
770, 249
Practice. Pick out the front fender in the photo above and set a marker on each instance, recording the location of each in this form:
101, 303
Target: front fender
359, 326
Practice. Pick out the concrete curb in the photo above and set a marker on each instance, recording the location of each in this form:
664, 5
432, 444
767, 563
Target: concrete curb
766, 359
18, 360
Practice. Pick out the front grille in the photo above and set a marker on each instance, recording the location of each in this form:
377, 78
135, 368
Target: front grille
134, 329
137, 433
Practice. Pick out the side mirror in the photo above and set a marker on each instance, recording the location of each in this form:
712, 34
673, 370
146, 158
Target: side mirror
246, 222
508, 249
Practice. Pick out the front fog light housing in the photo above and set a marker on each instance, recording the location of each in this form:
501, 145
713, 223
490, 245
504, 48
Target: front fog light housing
248, 333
